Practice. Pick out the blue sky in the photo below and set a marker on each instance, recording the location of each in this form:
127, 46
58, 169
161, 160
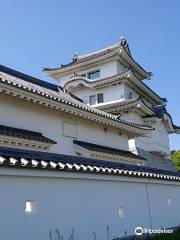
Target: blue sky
46, 33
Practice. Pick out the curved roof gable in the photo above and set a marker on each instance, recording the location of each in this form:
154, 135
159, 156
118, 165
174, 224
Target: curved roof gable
127, 75
120, 50
161, 112
117, 107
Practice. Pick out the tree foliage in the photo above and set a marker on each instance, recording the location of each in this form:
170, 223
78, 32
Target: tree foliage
175, 155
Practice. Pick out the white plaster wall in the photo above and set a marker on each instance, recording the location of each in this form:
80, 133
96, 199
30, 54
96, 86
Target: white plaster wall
111, 93
91, 133
157, 140
120, 68
132, 116
109, 69
86, 205
127, 90
163, 214
24, 115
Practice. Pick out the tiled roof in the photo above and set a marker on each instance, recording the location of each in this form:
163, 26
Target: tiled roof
176, 127
156, 161
8, 77
34, 80
28, 78
26, 159
110, 80
160, 110
87, 57
106, 52
25, 134
122, 104
104, 149
98, 82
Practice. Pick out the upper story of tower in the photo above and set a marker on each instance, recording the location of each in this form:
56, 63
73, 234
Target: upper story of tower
101, 64
107, 75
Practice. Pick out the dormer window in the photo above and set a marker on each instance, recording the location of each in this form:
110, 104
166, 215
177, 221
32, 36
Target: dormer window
94, 74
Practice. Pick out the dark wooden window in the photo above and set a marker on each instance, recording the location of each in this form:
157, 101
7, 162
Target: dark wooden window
100, 98
94, 74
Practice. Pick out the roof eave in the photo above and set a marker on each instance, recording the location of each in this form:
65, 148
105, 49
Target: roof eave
142, 74
61, 71
35, 160
177, 131
137, 105
141, 84
20, 92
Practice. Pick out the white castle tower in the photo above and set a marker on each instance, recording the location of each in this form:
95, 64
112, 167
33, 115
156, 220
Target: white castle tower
112, 81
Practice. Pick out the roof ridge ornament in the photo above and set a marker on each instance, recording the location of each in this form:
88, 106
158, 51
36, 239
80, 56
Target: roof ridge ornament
74, 75
75, 57
123, 41
125, 45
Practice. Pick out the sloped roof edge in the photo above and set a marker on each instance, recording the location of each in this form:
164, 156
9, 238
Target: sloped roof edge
35, 160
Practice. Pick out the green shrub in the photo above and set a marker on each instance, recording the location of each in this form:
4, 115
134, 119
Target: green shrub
175, 155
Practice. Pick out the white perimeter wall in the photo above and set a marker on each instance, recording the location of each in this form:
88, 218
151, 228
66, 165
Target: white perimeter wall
87, 203
24, 115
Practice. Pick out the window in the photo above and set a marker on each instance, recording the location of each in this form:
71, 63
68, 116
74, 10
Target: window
92, 99
94, 74
121, 212
30, 206
100, 98
130, 95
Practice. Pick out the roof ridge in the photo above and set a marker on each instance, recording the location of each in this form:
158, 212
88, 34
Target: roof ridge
23, 133
29, 78
5, 127
80, 59
99, 51
125, 152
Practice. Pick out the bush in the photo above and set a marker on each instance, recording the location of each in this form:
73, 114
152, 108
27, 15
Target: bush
175, 155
